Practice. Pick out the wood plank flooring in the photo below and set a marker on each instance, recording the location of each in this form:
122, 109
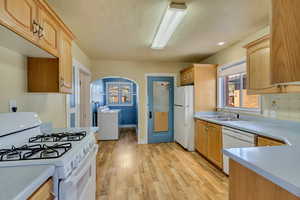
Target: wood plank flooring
126, 170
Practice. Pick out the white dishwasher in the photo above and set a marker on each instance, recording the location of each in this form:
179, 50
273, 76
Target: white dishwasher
233, 138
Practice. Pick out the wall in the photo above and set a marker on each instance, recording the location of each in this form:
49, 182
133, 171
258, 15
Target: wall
80, 56
128, 113
281, 106
135, 71
13, 85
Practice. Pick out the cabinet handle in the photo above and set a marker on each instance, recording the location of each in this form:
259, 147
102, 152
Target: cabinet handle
62, 82
41, 32
35, 25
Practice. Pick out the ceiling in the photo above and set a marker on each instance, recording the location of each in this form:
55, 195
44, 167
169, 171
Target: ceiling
124, 29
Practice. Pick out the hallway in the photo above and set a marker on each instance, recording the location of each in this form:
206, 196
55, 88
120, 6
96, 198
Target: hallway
126, 170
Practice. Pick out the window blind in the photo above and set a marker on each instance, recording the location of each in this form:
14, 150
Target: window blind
235, 68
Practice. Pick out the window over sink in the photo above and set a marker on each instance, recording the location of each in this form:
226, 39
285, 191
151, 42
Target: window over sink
232, 89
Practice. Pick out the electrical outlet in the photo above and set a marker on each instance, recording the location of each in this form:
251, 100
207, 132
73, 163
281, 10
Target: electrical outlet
13, 106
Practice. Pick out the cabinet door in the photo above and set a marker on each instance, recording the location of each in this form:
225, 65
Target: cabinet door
49, 33
65, 64
201, 137
44, 192
215, 144
187, 76
285, 48
263, 141
19, 15
258, 66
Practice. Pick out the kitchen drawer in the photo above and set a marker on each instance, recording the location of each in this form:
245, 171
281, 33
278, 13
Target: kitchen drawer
264, 141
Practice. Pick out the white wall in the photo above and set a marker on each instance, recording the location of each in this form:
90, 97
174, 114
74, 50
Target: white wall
13, 85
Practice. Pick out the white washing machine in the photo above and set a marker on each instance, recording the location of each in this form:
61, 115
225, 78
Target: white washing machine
108, 123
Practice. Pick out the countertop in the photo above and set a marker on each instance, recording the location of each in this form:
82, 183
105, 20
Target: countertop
278, 164
19, 183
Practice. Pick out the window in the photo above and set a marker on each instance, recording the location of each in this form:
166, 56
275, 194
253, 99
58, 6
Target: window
233, 89
119, 93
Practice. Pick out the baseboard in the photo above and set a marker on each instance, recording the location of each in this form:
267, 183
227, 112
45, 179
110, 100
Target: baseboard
128, 126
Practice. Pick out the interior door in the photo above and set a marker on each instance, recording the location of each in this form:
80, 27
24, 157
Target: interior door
160, 109
85, 104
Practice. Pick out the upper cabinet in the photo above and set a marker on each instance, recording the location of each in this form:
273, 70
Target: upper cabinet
20, 16
273, 61
285, 43
41, 29
65, 64
48, 33
187, 76
204, 79
259, 68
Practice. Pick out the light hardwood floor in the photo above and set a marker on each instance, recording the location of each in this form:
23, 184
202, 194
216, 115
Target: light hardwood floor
126, 170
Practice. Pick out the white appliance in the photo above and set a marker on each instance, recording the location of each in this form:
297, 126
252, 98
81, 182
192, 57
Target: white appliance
184, 117
72, 152
233, 138
108, 123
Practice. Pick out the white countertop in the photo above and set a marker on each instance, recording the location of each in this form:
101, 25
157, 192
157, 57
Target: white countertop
279, 164
19, 183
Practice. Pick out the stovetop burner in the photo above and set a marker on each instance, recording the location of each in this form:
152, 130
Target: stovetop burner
34, 152
59, 137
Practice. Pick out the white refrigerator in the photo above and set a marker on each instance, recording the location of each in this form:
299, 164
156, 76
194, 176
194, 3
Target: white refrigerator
184, 117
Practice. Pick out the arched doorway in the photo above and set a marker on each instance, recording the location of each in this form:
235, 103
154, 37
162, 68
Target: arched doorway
116, 94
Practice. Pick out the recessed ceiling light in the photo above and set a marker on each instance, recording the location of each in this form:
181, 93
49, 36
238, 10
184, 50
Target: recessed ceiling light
221, 43
172, 18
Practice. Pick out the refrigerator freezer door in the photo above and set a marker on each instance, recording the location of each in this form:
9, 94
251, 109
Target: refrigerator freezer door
179, 126
179, 96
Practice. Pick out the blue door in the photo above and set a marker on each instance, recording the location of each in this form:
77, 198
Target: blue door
160, 109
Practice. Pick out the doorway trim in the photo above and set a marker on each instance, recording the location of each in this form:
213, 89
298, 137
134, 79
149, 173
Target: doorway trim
174, 75
77, 67
138, 127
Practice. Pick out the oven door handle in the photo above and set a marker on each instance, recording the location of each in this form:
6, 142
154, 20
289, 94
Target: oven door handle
83, 168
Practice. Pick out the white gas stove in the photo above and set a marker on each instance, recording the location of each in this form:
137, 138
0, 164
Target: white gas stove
72, 152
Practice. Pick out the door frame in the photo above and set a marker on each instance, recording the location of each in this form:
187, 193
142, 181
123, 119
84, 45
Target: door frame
77, 67
174, 75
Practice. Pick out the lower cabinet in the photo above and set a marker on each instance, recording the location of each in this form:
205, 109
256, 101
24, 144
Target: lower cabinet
245, 184
208, 141
44, 192
264, 141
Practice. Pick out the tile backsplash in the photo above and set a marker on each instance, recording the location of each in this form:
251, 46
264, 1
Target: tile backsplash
281, 106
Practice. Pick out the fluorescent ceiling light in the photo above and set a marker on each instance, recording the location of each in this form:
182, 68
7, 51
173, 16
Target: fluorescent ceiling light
221, 43
172, 18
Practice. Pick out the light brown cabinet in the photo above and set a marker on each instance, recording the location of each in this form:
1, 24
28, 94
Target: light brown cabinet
20, 16
258, 67
187, 76
35, 21
201, 137
264, 141
285, 44
48, 33
259, 71
215, 144
247, 185
65, 63
204, 79
44, 192
208, 141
